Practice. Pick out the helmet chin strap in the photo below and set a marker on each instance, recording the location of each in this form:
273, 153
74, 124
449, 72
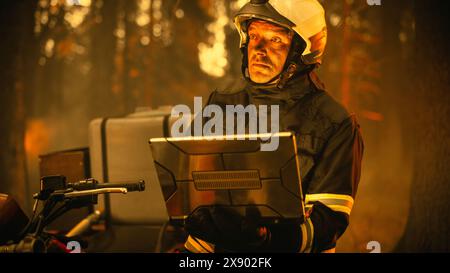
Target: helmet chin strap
286, 75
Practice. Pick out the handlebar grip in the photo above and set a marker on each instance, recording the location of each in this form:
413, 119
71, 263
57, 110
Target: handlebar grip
139, 186
28, 245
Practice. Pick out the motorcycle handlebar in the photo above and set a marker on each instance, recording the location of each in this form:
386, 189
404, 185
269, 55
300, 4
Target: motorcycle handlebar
89, 185
27, 245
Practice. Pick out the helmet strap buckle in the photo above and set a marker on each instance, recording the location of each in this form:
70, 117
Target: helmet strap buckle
286, 75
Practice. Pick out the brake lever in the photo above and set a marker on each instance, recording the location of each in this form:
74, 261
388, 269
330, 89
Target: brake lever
94, 192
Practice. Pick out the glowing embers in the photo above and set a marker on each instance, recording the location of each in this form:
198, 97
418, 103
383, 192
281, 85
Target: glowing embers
213, 55
83, 3
143, 13
49, 48
76, 11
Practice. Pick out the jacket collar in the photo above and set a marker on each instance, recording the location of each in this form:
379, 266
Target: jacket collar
295, 89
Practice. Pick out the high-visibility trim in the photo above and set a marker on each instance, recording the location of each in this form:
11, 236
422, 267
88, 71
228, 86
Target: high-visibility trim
337, 202
196, 245
329, 196
307, 229
304, 238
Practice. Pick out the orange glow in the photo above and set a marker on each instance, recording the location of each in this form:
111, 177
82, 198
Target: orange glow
134, 73
37, 137
372, 116
65, 48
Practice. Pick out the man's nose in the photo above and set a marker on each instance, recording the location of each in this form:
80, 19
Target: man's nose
260, 47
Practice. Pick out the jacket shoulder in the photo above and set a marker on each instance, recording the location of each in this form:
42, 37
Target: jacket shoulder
328, 107
320, 116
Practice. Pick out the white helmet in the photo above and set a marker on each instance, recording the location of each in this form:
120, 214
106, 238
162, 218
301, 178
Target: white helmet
304, 17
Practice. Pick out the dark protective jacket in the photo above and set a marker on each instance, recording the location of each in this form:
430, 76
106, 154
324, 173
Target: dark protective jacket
330, 148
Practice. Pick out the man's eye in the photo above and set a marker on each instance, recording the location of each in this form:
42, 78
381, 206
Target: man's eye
276, 39
252, 36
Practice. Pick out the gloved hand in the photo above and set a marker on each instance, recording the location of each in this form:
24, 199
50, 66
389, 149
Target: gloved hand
228, 230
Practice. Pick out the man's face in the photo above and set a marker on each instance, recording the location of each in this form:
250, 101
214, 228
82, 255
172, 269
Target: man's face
268, 48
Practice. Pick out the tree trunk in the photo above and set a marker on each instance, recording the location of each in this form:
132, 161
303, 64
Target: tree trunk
16, 57
428, 229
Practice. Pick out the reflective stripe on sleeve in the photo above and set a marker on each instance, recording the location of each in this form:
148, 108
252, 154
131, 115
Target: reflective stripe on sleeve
337, 202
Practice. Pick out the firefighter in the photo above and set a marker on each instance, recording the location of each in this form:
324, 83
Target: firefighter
283, 43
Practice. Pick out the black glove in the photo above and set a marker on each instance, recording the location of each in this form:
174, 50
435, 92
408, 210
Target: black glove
228, 230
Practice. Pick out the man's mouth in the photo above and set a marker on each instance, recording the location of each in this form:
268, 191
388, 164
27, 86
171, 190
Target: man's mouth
261, 65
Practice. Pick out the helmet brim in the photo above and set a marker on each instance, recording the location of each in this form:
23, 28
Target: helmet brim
264, 12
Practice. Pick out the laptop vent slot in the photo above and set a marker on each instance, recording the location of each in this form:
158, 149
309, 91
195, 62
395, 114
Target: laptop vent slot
227, 180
